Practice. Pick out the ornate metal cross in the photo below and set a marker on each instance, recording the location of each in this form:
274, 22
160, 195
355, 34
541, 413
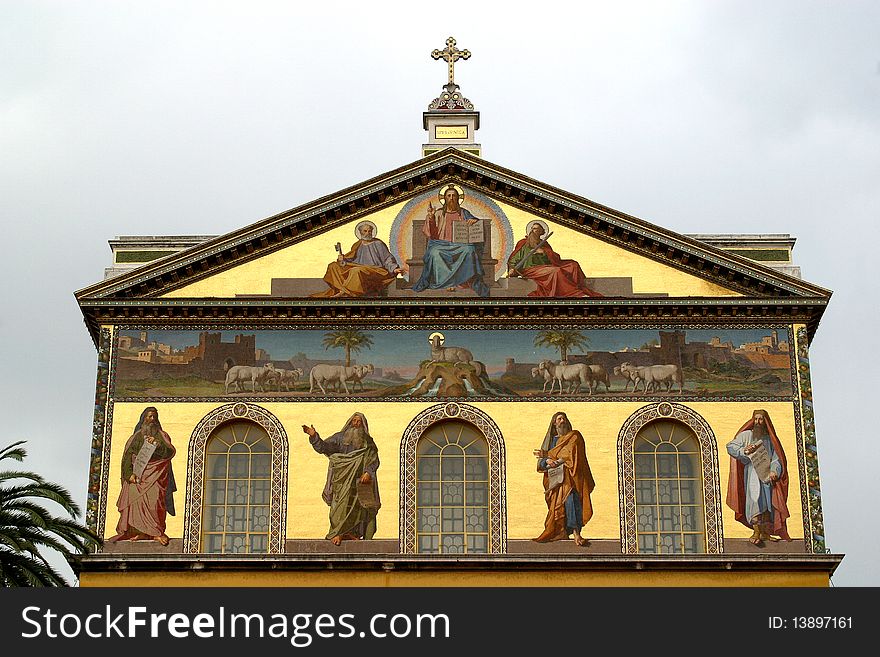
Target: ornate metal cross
451, 54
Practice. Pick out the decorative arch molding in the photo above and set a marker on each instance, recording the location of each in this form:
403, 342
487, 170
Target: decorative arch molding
708, 466
195, 472
497, 468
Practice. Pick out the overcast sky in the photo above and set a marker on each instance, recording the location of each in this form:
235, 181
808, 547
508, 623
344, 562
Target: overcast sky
121, 118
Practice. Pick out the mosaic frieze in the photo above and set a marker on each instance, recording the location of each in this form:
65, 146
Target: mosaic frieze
402, 364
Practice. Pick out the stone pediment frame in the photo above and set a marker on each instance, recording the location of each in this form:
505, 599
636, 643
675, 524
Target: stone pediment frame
766, 293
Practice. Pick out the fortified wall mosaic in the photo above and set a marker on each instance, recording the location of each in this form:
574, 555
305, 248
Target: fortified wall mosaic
385, 363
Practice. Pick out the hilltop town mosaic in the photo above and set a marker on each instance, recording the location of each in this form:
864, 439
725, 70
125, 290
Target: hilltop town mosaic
389, 363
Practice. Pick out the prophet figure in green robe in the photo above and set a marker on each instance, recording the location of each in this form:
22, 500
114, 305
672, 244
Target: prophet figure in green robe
352, 490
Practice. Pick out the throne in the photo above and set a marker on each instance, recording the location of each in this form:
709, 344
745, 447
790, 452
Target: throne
416, 263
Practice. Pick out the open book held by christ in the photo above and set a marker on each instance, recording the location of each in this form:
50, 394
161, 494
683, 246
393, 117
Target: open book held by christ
464, 234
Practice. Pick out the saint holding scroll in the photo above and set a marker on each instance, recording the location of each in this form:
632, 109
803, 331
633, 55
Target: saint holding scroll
757, 490
147, 494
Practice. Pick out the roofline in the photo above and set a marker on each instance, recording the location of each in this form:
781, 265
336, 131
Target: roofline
291, 226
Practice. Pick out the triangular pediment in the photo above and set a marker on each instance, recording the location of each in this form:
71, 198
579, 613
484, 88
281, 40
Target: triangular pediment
575, 264
592, 248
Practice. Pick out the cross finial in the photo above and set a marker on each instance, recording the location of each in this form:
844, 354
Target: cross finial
451, 54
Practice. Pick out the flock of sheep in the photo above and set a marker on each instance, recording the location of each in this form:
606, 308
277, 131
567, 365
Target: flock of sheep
323, 376
570, 378
238, 375
578, 375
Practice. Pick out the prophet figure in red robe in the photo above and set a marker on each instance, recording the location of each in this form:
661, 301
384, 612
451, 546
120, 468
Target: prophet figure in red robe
533, 258
147, 494
758, 494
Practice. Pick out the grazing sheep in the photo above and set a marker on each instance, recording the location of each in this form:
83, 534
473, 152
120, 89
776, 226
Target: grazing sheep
653, 375
323, 373
360, 373
286, 378
238, 374
577, 374
600, 375
547, 376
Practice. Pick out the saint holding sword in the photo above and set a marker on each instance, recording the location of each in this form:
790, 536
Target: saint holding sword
533, 258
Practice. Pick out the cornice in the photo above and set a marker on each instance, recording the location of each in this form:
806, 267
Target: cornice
483, 312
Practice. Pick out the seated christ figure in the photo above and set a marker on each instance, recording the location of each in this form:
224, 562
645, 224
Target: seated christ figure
367, 269
533, 258
450, 265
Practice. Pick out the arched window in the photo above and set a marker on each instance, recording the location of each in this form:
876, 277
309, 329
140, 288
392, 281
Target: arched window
235, 517
452, 489
236, 500
670, 501
452, 498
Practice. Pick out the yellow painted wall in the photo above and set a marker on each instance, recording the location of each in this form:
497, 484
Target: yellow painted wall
310, 258
522, 424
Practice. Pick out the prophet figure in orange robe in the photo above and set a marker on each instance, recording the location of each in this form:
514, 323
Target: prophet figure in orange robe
568, 503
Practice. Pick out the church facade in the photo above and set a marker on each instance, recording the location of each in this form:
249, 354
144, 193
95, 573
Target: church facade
452, 373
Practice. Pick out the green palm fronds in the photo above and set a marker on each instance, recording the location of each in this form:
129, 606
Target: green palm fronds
352, 340
27, 528
563, 340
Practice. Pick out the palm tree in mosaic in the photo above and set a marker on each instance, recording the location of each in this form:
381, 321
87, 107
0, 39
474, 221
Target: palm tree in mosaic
563, 340
27, 528
352, 340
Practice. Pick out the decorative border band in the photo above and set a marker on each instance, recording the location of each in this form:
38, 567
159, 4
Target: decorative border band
813, 499
100, 424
